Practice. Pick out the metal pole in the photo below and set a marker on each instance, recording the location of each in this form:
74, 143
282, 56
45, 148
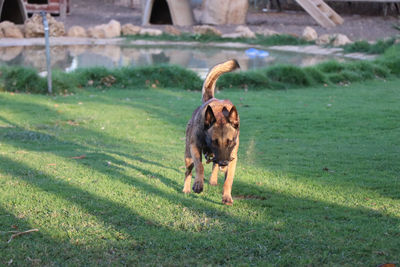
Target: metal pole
48, 60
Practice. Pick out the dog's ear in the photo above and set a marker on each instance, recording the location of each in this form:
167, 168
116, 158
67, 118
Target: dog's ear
225, 112
232, 117
209, 118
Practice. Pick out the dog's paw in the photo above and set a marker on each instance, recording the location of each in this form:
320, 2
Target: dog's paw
213, 183
227, 200
198, 187
186, 190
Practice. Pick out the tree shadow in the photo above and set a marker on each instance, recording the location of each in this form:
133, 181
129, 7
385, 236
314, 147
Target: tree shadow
295, 214
286, 223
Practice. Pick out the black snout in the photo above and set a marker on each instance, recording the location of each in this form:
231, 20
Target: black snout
223, 163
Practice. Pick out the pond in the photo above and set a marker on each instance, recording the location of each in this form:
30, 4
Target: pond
196, 58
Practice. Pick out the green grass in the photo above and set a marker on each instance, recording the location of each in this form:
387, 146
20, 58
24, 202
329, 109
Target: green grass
317, 181
365, 47
278, 39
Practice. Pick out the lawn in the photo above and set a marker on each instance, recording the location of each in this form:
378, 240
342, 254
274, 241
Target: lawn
100, 174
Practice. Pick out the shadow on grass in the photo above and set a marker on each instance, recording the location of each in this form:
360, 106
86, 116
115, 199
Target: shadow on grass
290, 215
36, 247
288, 226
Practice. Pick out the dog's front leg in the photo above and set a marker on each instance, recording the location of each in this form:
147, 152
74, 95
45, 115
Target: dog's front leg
199, 180
230, 173
188, 174
214, 174
226, 194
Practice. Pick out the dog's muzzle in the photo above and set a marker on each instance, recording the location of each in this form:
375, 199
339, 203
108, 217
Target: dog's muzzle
223, 163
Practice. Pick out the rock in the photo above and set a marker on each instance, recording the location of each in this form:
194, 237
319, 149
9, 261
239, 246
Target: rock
151, 32
96, 32
245, 31
57, 28
205, 29
110, 30
324, 39
10, 30
266, 32
240, 32
341, 39
77, 31
309, 34
334, 39
130, 29
224, 12
34, 26
172, 30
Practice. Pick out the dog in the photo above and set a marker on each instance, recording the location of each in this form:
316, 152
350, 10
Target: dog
213, 131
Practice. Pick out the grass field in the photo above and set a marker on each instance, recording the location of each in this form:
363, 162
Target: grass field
100, 174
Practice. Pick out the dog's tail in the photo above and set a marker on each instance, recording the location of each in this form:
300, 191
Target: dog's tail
213, 75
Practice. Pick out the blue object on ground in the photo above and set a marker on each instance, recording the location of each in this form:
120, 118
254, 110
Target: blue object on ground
253, 52
262, 53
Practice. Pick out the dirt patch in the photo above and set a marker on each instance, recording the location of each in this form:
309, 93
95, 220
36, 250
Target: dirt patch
356, 27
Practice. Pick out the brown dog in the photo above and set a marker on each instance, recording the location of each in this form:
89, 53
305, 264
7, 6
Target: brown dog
213, 131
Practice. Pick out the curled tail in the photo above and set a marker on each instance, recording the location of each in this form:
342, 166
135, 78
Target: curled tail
213, 75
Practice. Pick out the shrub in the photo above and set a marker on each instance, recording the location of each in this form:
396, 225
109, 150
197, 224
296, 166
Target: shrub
22, 79
353, 71
391, 60
139, 77
279, 39
368, 69
288, 76
331, 66
91, 77
248, 79
316, 75
345, 76
160, 76
364, 47
65, 82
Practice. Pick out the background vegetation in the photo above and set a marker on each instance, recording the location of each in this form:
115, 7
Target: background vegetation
21, 79
277, 39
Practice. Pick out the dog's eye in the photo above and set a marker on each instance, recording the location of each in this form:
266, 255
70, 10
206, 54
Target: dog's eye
230, 143
215, 142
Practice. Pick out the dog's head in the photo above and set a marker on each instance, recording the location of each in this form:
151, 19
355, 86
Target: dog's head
222, 131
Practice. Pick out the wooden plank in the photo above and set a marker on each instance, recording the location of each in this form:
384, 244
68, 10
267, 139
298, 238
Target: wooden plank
332, 14
316, 13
